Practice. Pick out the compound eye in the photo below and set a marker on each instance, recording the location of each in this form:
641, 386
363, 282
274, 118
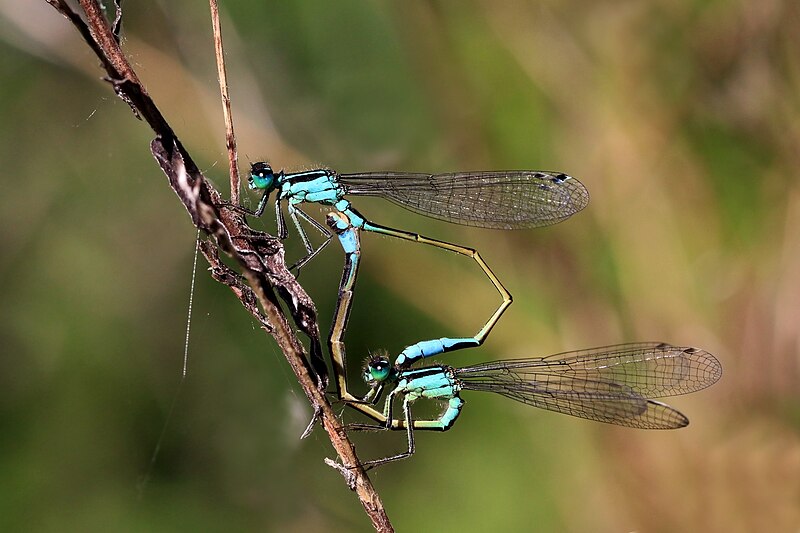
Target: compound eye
261, 176
379, 369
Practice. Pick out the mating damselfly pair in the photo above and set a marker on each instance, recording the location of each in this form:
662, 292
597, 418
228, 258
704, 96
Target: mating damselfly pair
613, 384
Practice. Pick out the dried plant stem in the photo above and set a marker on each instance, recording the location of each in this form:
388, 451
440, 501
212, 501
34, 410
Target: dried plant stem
260, 256
222, 75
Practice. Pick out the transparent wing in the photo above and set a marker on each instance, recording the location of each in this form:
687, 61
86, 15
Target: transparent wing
501, 200
612, 384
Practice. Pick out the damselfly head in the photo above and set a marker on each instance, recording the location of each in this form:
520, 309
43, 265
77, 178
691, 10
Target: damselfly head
377, 368
261, 176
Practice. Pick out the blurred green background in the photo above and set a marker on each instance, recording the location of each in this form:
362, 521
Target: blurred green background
682, 118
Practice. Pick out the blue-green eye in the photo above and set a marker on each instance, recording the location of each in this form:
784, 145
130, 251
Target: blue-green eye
378, 370
261, 176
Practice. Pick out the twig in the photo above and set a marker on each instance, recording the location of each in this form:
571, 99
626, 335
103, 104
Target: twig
225, 275
222, 74
261, 258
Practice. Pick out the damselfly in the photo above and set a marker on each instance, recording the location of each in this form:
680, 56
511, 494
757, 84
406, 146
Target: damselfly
496, 199
612, 384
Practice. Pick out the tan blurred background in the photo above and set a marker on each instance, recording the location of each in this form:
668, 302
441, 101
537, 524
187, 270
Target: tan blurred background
682, 118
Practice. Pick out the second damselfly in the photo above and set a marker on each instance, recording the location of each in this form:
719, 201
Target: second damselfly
613, 384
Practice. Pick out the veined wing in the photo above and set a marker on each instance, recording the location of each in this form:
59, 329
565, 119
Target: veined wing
612, 384
495, 199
